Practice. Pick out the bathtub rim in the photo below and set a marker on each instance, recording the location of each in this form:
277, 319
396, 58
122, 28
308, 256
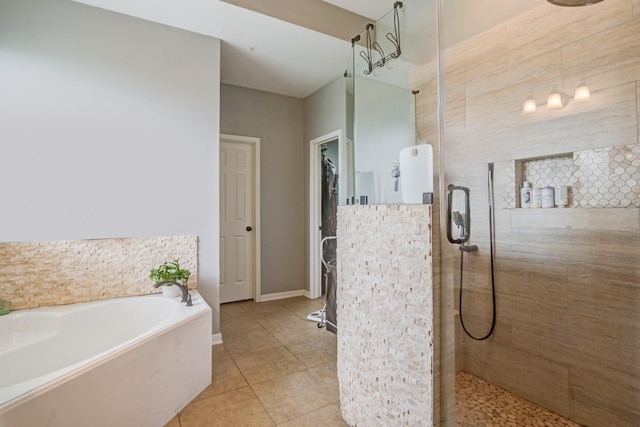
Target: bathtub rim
60, 376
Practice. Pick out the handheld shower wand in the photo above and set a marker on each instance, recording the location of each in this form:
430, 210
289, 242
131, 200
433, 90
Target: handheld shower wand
459, 222
456, 217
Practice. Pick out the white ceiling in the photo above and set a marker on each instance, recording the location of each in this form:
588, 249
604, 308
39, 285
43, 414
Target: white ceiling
373, 9
258, 51
265, 53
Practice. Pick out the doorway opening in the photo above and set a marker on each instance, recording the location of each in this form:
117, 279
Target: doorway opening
327, 167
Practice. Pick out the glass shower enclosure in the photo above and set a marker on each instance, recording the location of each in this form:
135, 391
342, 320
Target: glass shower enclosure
384, 58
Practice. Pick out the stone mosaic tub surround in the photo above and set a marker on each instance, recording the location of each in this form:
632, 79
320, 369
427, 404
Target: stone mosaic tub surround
36, 274
385, 315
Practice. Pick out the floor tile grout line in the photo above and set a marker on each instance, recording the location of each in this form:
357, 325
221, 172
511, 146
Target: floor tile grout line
287, 346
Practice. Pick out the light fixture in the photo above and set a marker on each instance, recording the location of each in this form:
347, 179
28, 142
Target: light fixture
573, 3
530, 105
557, 99
554, 100
582, 92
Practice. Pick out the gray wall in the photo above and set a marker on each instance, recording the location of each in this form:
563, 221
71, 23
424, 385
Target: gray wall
278, 121
325, 111
107, 129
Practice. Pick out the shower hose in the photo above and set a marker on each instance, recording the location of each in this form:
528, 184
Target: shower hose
493, 282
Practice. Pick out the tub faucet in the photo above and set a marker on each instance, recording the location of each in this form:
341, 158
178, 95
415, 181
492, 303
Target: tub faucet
186, 297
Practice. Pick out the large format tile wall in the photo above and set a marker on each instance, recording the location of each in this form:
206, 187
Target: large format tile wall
36, 274
385, 307
567, 280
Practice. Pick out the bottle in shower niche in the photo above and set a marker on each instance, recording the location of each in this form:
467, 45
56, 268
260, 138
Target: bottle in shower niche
536, 197
525, 195
561, 195
548, 201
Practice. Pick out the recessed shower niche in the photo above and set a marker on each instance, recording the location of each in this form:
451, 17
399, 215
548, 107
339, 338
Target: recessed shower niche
599, 178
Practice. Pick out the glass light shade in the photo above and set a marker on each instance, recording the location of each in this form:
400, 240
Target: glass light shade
529, 105
582, 92
554, 100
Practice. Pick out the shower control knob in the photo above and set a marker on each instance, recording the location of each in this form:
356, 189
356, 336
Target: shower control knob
249, 228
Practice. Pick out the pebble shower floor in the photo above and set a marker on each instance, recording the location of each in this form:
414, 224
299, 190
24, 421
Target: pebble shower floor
482, 404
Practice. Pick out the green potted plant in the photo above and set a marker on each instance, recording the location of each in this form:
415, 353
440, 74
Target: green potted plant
170, 271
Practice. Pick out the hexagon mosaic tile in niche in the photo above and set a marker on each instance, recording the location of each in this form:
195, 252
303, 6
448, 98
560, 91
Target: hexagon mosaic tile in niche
608, 177
599, 178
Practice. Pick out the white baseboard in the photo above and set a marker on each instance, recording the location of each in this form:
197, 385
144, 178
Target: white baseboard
282, 295
216, 339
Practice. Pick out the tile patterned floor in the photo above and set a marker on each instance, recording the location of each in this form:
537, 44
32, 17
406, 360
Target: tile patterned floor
275, 368
482, 404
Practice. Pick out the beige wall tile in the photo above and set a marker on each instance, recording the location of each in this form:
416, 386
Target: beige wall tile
36, 274
603, 395
537, 380
422, 78
547, 282
605, 59
636, 8
549, 27
497, 98
456, 106
606, 121
564, 276
481, 55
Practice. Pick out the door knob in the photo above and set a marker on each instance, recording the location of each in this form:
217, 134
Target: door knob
249, 228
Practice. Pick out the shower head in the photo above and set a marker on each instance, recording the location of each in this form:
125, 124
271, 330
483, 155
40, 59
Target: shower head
573, 3
458, 220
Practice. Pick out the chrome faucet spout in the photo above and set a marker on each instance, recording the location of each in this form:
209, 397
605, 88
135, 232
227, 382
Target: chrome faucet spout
186, 297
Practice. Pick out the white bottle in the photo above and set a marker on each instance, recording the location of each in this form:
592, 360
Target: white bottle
562, 198
525, 195
548, 201
536, 197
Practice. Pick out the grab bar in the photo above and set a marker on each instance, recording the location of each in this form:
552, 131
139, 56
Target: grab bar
322, 249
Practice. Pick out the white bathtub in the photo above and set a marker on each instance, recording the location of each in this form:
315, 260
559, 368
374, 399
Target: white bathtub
128, 361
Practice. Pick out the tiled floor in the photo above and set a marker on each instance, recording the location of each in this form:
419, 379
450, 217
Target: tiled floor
275, 368
482, 404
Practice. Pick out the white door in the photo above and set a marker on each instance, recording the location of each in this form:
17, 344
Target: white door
236, 222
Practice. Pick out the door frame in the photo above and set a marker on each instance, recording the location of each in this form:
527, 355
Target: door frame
255, 143
315, 203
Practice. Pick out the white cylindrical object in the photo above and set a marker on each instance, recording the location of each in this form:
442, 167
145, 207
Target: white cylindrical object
561, 196
548, 200
536, 197
525, 195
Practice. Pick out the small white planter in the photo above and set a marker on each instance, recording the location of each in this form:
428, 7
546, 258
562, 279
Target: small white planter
171, 291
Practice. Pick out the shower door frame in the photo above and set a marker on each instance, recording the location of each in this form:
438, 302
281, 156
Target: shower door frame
315, 204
